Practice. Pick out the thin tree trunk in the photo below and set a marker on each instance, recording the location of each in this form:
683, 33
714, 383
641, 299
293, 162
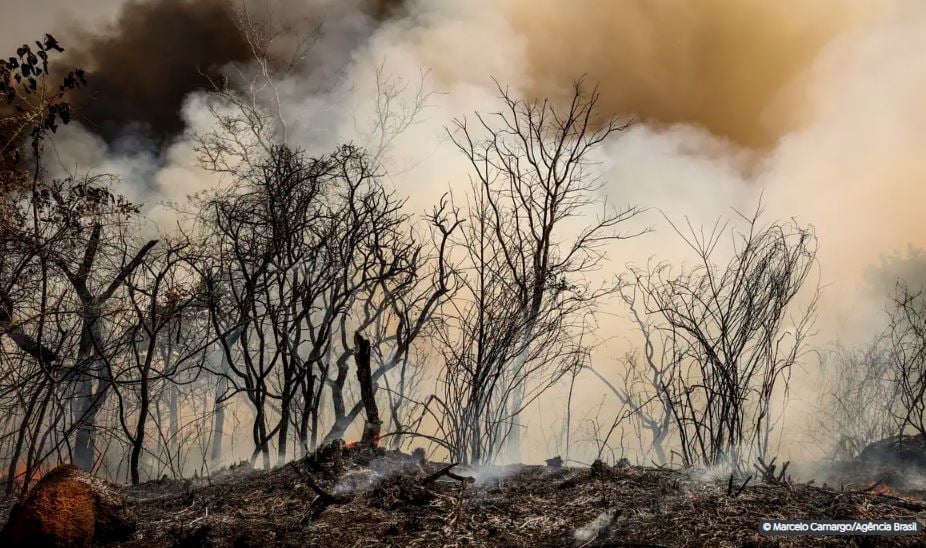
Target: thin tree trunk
84, 447
174, 414
139, 440
218, 428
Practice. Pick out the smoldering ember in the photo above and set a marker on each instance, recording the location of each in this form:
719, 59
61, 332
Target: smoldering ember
447, 273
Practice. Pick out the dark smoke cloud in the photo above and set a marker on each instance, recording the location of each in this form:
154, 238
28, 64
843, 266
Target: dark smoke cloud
157, 52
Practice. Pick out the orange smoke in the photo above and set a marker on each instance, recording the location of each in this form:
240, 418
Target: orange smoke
733, 67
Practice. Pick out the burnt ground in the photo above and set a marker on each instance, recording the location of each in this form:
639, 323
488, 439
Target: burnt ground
382, 498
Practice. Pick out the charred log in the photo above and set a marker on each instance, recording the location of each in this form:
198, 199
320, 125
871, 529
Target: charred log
445, 471
323, 500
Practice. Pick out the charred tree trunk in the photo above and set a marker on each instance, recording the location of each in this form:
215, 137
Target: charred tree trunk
285, 403
222, 386
307, 393
372, 426
138, 442
174, 417
87, 398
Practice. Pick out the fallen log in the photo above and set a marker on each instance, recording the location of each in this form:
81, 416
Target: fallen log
445, 471
733, 493
324, 499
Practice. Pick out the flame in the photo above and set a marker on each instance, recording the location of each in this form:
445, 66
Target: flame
355, 444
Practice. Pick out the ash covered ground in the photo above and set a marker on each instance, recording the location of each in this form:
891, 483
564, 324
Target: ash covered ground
351, 496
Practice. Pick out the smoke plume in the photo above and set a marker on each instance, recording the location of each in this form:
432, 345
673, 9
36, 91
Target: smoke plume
731, 67
145, 64
156, 52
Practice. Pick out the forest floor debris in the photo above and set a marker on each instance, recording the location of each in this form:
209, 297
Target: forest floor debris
380, 497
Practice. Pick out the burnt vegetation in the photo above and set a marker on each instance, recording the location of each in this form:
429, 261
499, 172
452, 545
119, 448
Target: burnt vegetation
302, 303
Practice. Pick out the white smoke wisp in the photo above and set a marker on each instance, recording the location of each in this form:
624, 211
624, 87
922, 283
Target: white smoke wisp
594, 528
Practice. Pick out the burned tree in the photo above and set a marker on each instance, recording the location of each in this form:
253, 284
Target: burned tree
259, 236
82, 271
360, 268
304, 251
879, 399
906, 343
396, 311
161, 350
372, 426
860, 404
33, 105
482, 331
725, 329
91, 374
530, 167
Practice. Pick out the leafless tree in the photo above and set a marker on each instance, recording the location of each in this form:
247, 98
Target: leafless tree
396, 311
91, 374
643, 379
260, 233
306, 253
731, 344
530, 170
84, 259
906, 343
359, 267
482, 330
861, 402
161, 351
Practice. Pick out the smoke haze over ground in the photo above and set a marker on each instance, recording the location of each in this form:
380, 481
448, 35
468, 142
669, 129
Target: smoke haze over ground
817, 107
